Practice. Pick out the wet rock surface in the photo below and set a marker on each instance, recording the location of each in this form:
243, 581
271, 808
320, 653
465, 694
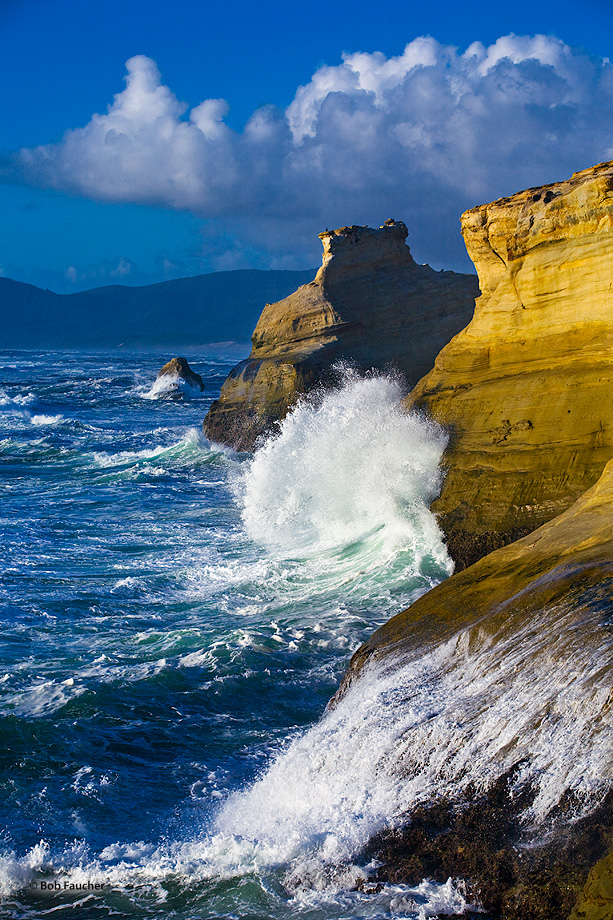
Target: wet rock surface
176, 370
483, 841
561, 573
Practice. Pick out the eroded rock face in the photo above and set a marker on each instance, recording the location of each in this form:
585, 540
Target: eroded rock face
369, 304
526, 390
532, 600
174, 374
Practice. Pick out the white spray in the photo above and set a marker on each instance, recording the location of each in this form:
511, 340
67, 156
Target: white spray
350, 467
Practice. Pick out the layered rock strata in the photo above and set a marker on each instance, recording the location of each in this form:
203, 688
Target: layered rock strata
370, 304
556, 582
526, 389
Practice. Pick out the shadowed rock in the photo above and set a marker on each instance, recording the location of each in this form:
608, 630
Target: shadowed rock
174, 372
370, 304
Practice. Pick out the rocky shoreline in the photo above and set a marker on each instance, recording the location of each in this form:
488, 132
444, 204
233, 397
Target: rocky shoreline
370, 305
524, 386
481, 841
565, 567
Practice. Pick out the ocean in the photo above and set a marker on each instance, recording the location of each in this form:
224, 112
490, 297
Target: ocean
175, 619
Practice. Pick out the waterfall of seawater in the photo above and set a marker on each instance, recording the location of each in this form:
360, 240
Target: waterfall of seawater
331, 536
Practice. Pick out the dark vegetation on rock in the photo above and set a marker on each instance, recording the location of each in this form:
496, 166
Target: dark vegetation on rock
482, 840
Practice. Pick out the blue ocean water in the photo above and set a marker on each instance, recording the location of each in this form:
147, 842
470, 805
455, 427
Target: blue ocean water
173, 614
175, 618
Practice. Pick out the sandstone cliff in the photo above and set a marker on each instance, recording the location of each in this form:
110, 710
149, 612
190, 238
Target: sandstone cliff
526, 390
530, 623
370, 303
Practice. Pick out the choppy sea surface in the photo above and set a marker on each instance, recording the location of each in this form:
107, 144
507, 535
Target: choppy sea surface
175, 617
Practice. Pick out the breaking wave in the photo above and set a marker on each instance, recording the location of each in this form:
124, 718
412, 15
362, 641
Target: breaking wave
172, 386
234, 589
351, 467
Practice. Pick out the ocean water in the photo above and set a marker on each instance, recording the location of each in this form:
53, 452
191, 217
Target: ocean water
175, 617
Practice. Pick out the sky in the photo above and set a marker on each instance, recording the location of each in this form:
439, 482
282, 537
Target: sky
142, 140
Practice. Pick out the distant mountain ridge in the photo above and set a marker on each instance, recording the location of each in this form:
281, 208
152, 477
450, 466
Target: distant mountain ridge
203, 309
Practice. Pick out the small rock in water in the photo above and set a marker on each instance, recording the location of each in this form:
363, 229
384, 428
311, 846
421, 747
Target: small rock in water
177, 369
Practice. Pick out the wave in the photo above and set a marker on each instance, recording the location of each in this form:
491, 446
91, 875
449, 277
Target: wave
504, 692
148, 880
336, 534
347, 469
43, 420
461, 715
191, 449
16, 402
172, 386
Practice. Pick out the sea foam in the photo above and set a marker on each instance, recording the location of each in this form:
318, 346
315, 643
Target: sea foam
429, 726
459, 714
172, 386
350, 467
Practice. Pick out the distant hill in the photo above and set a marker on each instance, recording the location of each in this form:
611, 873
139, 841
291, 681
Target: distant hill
218, 307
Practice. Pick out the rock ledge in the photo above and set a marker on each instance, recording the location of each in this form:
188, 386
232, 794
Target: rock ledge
369, 304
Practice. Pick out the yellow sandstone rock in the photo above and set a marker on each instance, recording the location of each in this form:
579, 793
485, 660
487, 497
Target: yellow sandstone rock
596, 901
559, 563
526, 390
370, 304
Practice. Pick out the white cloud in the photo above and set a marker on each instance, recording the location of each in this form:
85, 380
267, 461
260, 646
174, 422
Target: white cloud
419, 136
121, 270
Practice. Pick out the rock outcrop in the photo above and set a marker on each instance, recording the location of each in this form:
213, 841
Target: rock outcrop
596, 901
369, 304
526, 389
176, 375
534, 599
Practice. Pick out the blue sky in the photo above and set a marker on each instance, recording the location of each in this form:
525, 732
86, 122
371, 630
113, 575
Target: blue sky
327, 120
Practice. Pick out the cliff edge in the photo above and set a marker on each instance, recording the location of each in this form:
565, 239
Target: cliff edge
526, 390
370, 304
527, 632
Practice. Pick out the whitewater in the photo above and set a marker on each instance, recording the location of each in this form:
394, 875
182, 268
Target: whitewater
176, 617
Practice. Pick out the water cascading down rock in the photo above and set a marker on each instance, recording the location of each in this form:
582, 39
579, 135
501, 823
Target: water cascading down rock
526, 393
370, 304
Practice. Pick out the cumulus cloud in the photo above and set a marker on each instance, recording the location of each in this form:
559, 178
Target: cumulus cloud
420, 136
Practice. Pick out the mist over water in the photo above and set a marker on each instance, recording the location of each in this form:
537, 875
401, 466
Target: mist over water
176, 618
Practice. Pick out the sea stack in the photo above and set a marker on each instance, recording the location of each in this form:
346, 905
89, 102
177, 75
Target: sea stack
526, 390
369, 304
178, 369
